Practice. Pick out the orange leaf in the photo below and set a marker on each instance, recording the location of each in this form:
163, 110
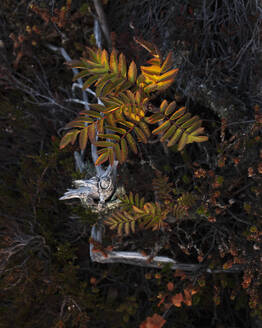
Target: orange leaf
170, 286
177, 299
188, 297
156, 321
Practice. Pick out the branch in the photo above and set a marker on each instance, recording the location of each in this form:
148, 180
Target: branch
138, 259
102, 22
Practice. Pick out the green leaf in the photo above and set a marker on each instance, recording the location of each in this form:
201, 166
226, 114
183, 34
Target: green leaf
124, 150
151, 88
118, 152
168, 133
102, 158
155, 118
115, 129
92, 133
75, 134
79, 123
80, 75
66, 139
181, 111
111, 156
190, 122
168, 63
200, 138
113, 61
126, 123
145, 128
132, 143
162, 128
170, 108
163, 106
182, 142
104, 59
89, 82
122, 65
140, 134
175, 137
101, 70
92, 113
104, 144
183, 119
170, 75
132, 72
83, 137
92, 53
194, 127
109, 136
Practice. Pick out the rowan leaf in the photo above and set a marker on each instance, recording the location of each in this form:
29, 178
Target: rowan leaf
109, 136
122, 65
144, 127
113, 61
124, 150
111, 156
163, 106
140, 134
168, 62
83, 137
132, 72
162, 128
89, 82
175, 137
104, 144
67, 138
80, 75
168, 76
92, 133
102, 158
118, 152
168, 133
104, 59
170, 108
180, 112
131, 142
182, 142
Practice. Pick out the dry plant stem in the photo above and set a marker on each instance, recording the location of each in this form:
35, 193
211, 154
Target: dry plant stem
103, 22
135, 258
